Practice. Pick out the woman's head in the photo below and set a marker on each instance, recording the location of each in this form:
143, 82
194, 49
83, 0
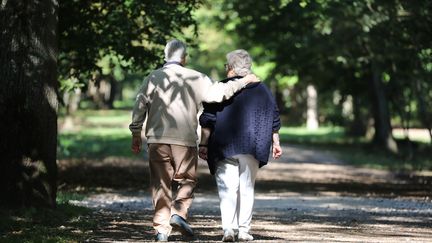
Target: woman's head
239, 63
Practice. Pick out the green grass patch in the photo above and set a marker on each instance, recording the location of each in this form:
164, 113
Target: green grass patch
96, 134
103, 121
95, 143
303, 135
104, 133
359, 151
374, 158
125, 104
101, 114
66, 223
65, 197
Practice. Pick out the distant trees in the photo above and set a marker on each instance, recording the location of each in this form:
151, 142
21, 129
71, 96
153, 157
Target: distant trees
376, 51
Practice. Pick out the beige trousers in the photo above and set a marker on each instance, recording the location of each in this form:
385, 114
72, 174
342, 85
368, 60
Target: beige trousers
170, 163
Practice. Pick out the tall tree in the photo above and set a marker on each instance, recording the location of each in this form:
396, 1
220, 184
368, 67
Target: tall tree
28, 102
359, 48
133, 32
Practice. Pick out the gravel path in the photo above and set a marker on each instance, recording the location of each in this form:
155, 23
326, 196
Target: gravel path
305, 196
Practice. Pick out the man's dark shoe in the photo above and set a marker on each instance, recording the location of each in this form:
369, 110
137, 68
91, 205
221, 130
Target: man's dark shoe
161, 237
179, 224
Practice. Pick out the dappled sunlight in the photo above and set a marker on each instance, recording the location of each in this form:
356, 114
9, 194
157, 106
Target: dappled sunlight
103, 174
331, 173
306, 170
276, 218
296, 200
414, 134
307, 195
302, 154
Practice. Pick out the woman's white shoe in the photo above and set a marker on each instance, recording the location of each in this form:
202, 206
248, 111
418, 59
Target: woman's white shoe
243, 236
228, 236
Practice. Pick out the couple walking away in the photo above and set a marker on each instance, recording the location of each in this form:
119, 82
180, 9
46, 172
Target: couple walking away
240, 125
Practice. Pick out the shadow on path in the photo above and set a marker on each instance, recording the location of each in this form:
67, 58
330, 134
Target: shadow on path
304, 196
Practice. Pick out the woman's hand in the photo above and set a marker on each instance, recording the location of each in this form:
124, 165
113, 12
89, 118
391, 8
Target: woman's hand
202, 152
277, 151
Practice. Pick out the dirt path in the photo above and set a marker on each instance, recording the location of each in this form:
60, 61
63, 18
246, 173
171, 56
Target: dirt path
305, 196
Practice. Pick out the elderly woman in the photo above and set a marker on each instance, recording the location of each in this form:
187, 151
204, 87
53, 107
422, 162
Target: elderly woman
236, 139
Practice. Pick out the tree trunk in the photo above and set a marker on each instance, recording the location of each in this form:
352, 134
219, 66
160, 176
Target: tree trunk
28, 102
357, 127
424, 113
112, 91
278, 96
312, 108
383, 136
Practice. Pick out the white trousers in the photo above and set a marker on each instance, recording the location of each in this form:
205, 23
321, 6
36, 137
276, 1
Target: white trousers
235, 178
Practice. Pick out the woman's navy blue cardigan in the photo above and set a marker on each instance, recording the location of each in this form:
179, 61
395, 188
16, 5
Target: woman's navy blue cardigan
241, 125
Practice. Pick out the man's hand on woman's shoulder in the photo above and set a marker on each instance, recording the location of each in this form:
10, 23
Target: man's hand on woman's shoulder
251, 78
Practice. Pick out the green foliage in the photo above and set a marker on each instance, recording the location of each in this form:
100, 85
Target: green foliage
213, 43
70, 84
108, 36
112, 64
340, 46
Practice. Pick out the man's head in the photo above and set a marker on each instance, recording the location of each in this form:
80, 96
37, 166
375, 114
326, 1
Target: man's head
175, 51
239, 63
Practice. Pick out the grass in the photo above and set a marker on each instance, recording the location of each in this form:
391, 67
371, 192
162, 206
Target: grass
358, 151
103, 133
374, 158
94, 143
66, 223
96, 134
322, 135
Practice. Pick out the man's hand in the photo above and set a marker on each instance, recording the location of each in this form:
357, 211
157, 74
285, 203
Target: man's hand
136, 143
251, 78
202, 152
277, 151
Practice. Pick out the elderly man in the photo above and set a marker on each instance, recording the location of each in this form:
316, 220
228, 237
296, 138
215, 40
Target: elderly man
241, 130
170, 97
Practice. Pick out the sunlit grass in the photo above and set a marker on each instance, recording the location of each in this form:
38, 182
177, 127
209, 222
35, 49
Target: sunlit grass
322, 135
95, 144
65, 197
358, 151
374, 158
104, 133
96, 134
107, 120
416, 135
327, 132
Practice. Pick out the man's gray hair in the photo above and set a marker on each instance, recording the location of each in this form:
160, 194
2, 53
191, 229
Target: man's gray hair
175, 50
240, 61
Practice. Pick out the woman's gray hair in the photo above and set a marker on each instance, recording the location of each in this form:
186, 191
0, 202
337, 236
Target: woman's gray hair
175, 51
240, 61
